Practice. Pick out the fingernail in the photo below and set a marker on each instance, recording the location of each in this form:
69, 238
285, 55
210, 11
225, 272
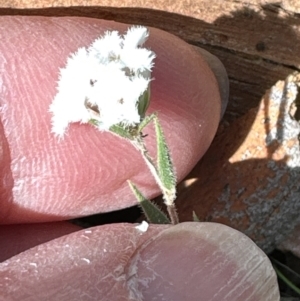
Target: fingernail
201, 261
221, 75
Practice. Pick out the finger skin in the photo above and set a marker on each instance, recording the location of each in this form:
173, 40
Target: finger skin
189, 261
221, 75
201, 261
86, 265
15, 239
45, 179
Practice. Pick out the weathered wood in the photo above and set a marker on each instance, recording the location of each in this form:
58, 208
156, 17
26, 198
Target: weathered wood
249, 179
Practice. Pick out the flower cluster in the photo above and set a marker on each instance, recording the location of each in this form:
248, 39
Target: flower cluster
105, 82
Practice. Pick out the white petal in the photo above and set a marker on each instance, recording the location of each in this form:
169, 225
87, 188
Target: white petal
135, 36
138, 86
116, 96
138, 59
68, 104
107, 47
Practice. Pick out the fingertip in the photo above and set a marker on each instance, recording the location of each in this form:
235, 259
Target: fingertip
87, 172
89, 262
202, 261
15, 239
220, 73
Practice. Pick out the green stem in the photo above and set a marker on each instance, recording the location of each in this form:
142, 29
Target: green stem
140, 145
286, 280
173, 214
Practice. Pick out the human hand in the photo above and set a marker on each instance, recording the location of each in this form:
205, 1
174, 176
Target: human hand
46, 180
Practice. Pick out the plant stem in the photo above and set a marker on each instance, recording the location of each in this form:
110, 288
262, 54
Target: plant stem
140, 145
286, 280
173, 214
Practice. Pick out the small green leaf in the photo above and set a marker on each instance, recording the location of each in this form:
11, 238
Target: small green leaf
94, 122
164, 164
146, 121
122, 132
151, 211
144, 101
195, 217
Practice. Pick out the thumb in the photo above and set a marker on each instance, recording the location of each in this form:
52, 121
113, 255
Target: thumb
189, 261
47, 180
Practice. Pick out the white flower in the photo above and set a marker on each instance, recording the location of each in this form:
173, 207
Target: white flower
104, 82
68, 104
135, 36
107, 47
